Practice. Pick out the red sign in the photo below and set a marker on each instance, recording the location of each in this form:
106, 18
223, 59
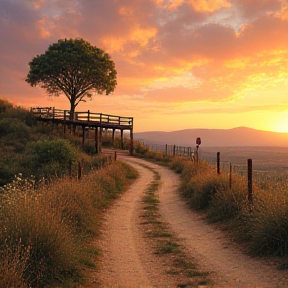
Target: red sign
198, 141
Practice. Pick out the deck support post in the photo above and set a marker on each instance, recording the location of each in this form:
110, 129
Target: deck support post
122, 142
100, 140
64, 129
96, 141
83, 135
131, 142
113, 137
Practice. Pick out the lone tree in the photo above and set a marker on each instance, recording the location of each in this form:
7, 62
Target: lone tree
73, 67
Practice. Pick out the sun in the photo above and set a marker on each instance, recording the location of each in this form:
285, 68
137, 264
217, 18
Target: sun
281, 123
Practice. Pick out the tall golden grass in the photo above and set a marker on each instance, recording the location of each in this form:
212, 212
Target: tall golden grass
46, 233
263, 224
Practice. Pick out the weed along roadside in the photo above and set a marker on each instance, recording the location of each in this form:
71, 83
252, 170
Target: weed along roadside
165, 242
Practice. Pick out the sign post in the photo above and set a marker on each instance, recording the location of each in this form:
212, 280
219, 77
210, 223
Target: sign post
198, 142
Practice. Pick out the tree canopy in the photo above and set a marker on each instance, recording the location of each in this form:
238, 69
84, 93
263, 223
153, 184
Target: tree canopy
73, 67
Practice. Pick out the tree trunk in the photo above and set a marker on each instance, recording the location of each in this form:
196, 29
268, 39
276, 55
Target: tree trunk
72, 110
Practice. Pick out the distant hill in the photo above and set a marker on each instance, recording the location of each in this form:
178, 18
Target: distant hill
241, 136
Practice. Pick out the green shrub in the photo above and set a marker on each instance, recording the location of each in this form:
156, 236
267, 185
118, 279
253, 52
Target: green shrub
15, 128
52, 157
89, 147
140, 148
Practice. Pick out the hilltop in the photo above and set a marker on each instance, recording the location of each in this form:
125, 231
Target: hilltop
240, 136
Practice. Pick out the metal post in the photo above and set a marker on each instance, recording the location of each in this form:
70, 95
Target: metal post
218, 163
250, 189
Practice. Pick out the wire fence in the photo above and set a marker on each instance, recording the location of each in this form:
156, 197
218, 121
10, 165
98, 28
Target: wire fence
172, 150
263, 178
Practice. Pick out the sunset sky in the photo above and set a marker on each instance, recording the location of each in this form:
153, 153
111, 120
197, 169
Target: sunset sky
181, 63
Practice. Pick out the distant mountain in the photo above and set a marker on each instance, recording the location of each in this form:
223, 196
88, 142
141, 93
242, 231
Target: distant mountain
241, 136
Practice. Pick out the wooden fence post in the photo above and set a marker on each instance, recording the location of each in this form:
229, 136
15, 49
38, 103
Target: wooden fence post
218, 163
115, 155
166, 150
230, 177
250, 188
174, 150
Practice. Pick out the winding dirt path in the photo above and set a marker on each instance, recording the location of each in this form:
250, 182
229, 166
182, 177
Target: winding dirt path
128, 259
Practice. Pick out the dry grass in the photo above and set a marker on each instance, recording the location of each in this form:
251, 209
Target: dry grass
45, 234
263, 224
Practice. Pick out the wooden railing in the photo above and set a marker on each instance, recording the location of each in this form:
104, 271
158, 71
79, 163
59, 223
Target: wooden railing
81, 117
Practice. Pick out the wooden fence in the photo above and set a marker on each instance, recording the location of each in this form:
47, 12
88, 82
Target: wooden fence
172, 150
259, 177
82, 117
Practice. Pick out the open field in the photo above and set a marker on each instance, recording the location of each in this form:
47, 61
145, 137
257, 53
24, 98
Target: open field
264, 158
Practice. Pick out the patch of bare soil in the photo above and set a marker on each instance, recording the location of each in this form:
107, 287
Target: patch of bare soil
128, 257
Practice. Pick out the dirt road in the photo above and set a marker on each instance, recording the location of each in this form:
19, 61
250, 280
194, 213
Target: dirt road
128, 259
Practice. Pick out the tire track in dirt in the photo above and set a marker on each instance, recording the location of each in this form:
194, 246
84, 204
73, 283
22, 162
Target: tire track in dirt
128, 262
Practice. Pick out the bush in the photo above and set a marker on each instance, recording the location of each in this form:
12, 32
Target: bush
204, 187
227, 203
141, 148
52, 156
15, 128
179, 164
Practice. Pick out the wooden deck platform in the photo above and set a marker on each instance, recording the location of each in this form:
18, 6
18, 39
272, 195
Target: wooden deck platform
87, 120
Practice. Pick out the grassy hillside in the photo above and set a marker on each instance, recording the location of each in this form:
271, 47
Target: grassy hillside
47, 227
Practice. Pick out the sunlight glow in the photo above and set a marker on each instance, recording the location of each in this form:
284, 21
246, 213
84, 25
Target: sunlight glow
281, 124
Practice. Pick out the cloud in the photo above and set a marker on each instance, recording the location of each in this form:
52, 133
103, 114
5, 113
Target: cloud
166, 52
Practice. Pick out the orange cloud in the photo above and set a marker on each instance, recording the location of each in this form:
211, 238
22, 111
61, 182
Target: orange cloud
209, 5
